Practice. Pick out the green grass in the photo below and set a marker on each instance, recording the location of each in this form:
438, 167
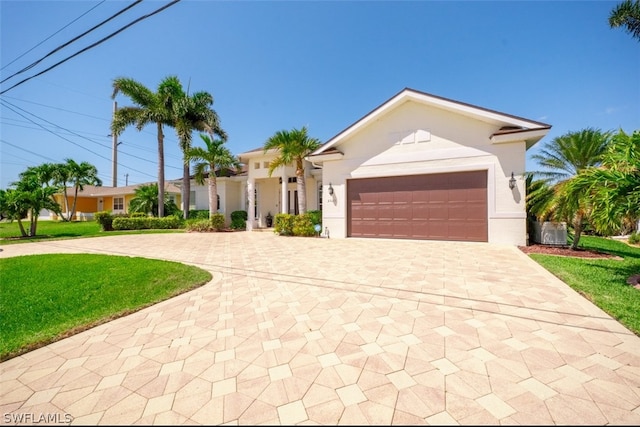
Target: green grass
56, 230
48, 297
602, 281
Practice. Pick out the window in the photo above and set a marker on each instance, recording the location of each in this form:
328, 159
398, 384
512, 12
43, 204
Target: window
320, 196
256, 165
192, 199
218, 208
118, 203
265, 165
292, 179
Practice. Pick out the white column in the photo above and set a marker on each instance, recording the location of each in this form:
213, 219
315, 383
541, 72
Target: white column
251, 185
283, 195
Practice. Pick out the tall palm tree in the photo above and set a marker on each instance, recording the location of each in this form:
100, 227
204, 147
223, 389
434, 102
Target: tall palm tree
562, 159
149, 108
627, 14
79, 175
193, 112
214, 157
293, 146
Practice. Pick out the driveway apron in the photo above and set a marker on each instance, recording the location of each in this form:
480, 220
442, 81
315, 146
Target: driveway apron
334, 331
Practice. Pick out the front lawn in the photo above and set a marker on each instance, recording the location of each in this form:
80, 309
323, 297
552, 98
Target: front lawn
55, 230
47, 297
602, 281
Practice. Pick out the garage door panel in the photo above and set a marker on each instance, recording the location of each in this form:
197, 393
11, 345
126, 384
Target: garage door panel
445, 206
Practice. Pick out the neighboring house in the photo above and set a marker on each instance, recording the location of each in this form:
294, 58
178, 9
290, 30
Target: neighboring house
418, 166
277, 193
94, 199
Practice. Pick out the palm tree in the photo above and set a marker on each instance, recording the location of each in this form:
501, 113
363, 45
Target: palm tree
293, 146
46, 174
214, 157
145, 200
149, 108
627, 14
614, 186
79, 175
563, 159
29, 197
193, 113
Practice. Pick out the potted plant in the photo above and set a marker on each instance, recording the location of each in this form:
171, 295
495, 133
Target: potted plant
269, 219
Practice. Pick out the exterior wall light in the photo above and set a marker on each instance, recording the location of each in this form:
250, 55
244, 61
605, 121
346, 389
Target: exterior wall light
330, 190
512, 182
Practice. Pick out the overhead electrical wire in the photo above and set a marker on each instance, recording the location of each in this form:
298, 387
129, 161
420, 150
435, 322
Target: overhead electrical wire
6, 65
62, 46
93, 45
6, 105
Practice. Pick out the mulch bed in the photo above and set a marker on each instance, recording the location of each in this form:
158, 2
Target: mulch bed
565, 251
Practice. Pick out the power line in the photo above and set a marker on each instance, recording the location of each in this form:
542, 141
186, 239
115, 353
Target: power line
6, 104
93, 45
52, 35
33, 64
28, 151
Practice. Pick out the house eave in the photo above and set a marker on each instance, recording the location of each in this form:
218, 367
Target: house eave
407, 95
530, 136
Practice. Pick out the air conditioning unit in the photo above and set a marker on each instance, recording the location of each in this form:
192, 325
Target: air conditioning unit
550, 233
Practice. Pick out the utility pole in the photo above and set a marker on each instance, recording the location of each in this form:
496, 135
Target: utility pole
126, 179
114, 152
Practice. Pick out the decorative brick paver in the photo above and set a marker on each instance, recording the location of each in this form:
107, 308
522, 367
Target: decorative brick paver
335, 331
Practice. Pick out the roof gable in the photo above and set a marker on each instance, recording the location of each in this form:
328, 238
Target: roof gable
408, 94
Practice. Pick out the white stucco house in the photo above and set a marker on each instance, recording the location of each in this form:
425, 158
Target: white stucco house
418, 166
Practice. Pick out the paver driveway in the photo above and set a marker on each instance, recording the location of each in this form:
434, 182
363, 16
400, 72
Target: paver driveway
329, 331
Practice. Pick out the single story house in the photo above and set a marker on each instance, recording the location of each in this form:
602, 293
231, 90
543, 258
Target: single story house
418, 166
94, 199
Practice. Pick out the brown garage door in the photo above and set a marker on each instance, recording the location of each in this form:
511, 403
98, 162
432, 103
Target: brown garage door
443, 206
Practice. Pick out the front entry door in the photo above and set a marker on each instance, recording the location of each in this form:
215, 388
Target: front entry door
292, 202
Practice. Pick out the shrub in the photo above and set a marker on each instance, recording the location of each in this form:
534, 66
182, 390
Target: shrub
303, 226
199, 214
105, 219
198, 225
315, 216
168, 222
217, 221
138, 215
634, 238
239, 220
283, 224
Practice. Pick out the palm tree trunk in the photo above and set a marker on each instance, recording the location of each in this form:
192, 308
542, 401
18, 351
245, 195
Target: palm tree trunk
66, 204
23, 232
160, 171
34, 224
302, 189
577, 231
75, 201
213, 195
186, 190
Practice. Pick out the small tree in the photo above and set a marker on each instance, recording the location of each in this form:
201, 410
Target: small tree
293, 146
214, 157
562, 159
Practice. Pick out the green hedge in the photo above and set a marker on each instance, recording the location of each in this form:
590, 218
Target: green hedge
168, 222
239, 220
199, 214
206, 225
298, 225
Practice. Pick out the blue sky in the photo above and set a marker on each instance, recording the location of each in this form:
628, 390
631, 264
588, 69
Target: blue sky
273, 65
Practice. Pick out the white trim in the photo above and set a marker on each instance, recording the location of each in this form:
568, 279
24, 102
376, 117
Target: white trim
407, 95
